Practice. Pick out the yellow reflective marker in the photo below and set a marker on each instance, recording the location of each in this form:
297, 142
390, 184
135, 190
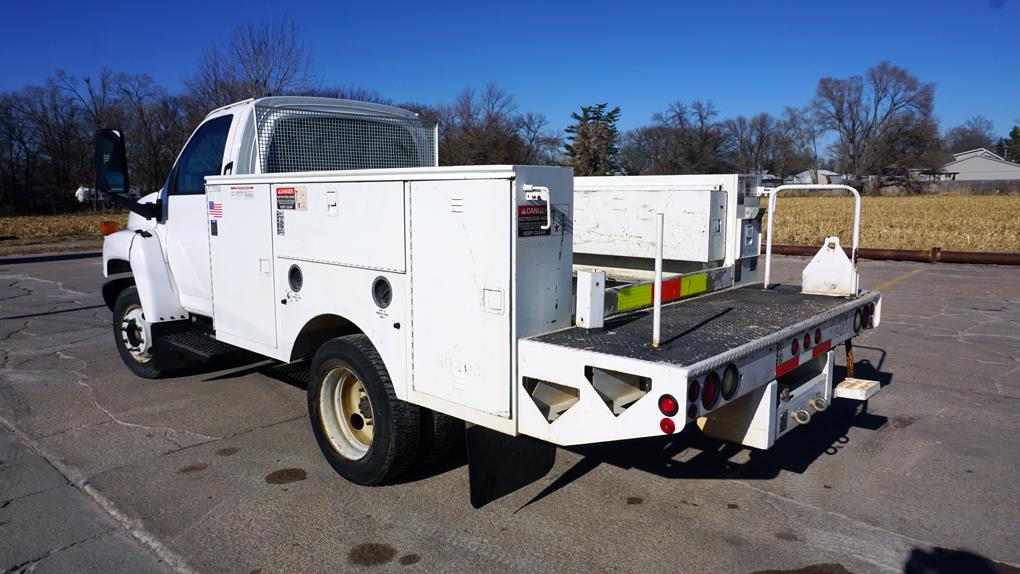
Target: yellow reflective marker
635, 296
693, 284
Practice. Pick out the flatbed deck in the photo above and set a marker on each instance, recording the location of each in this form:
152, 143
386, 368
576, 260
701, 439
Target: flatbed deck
698, 329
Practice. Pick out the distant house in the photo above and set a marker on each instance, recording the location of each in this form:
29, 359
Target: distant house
981, 164
822, 176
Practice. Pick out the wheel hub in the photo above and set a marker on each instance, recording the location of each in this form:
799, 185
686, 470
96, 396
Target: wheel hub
346, 412
132, 334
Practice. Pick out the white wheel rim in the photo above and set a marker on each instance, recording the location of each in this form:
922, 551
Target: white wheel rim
346, 413
132, 334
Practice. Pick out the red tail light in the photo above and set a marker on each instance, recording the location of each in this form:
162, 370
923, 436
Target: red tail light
807, 342
667, 426
710, 392
795, 347
692, 411
693, 391
818, 336
668, 405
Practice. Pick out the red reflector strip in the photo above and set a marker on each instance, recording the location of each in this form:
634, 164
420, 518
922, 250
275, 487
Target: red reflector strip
670, 290
822, 347
787, 366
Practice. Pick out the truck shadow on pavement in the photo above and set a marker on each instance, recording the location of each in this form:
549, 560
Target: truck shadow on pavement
685, 455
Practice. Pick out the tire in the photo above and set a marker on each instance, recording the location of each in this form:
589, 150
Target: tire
439, 435
129, 336
366, 433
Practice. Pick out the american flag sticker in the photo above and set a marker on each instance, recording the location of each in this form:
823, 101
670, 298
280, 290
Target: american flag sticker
215, 209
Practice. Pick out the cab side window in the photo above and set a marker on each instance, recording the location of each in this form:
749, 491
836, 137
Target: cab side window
202, 157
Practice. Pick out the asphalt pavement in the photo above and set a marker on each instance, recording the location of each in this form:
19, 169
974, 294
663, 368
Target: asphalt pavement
217, 471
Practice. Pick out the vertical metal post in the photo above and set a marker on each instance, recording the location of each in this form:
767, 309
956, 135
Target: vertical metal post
657, 295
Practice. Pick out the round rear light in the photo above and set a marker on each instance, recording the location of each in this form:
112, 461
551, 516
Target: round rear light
692, 411
710, 392
818, 336
858, 321
795, 347
730, 379
807, 342
668, 405
693, 391
667, 426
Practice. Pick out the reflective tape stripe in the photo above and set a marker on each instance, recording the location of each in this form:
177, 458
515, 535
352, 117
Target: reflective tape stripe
634, 296
821, 348
787, 366
694, 284
640, 295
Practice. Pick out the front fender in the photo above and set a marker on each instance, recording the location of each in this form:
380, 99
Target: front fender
156, 288
116, 247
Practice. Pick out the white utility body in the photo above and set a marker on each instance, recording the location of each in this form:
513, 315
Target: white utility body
516, 298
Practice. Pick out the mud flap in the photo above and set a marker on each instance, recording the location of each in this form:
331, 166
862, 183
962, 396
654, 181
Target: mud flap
500, 464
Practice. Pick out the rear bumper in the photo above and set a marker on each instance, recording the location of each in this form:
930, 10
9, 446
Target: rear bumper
584, 375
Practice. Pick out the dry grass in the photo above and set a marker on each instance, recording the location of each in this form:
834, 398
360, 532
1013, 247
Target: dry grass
57, 226
956, 223
952, 222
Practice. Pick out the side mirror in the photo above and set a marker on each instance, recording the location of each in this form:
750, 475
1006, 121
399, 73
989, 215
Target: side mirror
111, 162
112, 174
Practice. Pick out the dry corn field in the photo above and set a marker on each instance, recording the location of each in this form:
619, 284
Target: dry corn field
952, 222
25, 227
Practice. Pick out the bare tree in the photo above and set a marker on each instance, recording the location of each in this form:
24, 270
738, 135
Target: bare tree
977, 132
485, 128
343, 92
259, 59
684, 138
865, 112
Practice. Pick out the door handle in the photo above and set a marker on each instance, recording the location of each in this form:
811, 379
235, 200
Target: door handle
540, 193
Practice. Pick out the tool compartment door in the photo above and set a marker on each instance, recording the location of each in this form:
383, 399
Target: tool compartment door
241, 257
460, 292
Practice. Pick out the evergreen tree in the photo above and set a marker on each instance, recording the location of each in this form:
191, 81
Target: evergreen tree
1011, 145
593, 140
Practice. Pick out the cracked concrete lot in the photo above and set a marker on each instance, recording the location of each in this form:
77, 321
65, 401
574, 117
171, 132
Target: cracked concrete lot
217, 471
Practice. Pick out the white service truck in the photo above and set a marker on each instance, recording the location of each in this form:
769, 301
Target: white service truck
516, 298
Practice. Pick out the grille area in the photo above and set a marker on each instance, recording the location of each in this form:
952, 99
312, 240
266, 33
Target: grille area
294, 139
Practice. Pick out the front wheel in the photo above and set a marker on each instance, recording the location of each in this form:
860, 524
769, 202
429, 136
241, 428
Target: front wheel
131, 335
367, 434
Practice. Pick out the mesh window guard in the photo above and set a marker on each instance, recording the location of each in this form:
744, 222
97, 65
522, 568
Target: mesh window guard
294, 139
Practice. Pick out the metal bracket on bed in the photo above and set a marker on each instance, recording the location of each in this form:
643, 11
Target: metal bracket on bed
830, 272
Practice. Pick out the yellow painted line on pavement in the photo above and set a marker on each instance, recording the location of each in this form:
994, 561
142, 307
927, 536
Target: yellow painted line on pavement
897, 279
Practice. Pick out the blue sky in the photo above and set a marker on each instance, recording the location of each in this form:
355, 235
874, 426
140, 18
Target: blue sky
555, 56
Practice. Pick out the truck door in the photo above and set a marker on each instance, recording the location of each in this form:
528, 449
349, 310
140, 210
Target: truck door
460, 292
187, 235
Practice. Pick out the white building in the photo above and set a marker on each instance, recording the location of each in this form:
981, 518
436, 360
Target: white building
981, 164
822, 176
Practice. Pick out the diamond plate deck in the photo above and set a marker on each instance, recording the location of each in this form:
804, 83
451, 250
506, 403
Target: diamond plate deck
704, 327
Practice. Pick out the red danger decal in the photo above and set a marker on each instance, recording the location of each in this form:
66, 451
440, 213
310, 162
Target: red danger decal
530, 219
